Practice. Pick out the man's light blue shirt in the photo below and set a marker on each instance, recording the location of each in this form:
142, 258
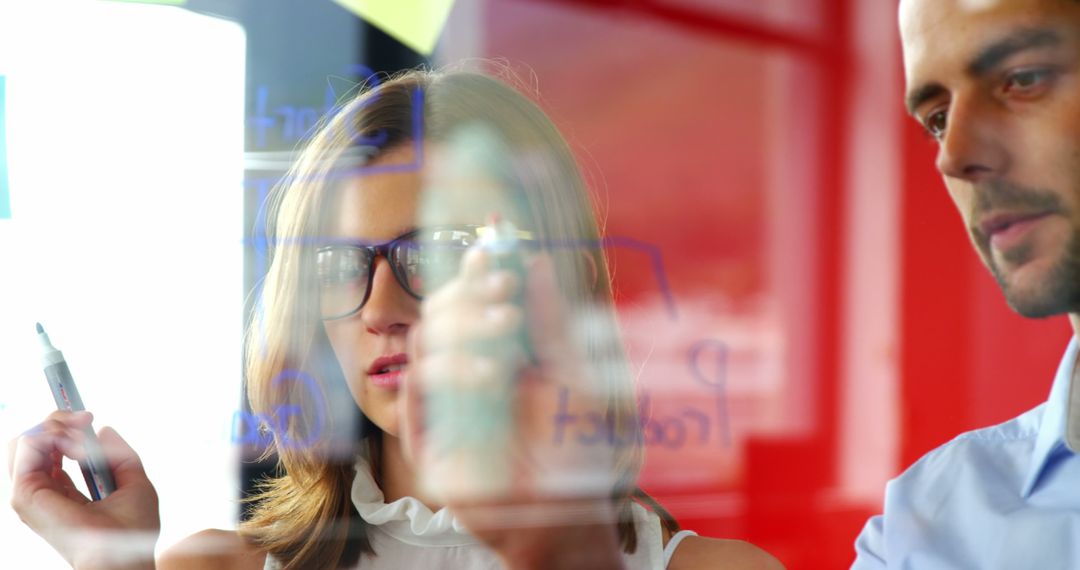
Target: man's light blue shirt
1006, 497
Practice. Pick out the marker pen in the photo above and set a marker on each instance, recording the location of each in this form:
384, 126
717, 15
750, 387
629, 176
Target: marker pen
94, 468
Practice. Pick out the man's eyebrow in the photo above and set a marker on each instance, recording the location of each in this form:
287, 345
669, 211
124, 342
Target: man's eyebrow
921, 95
991, 56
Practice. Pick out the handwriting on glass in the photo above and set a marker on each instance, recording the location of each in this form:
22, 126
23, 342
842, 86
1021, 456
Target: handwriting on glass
259, 429
702, 423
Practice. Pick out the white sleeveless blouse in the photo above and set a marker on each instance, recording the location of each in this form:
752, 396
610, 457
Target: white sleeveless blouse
406, 534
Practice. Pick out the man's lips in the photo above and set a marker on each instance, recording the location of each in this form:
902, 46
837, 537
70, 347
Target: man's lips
387, 371
1006, 230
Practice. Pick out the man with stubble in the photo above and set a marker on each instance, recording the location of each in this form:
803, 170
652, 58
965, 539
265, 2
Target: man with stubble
997, 84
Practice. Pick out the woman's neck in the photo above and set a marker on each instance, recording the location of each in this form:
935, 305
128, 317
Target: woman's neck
397, 476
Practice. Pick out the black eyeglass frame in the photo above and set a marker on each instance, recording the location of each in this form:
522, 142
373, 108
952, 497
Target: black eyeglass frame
388, 250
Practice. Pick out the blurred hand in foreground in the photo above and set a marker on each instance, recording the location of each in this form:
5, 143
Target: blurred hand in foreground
543, 500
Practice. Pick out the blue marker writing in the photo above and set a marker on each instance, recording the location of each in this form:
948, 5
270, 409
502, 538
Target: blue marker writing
95, 470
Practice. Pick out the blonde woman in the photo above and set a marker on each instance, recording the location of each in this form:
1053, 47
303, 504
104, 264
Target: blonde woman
336, 340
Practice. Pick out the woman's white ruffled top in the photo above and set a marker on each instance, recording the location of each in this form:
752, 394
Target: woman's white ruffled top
406, 519
406, 534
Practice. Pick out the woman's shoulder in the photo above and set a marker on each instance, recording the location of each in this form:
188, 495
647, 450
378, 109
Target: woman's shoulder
701, 552
213, 549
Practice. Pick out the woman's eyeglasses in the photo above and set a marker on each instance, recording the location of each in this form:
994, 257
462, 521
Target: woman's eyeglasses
421, 261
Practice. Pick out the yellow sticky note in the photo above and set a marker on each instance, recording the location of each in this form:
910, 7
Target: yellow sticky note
415, 23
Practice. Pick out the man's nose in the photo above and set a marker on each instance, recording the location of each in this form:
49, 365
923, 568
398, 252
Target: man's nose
974, 146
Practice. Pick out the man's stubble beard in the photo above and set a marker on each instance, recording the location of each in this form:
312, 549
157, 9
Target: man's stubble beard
1059, 294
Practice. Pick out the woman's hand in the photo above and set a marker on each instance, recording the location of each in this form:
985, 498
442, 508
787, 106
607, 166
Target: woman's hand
548, 503
119, 531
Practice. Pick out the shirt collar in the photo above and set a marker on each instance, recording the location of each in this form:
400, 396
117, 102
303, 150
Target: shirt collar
1055, 418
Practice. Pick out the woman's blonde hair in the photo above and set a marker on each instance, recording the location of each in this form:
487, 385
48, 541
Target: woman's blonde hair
305, 517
